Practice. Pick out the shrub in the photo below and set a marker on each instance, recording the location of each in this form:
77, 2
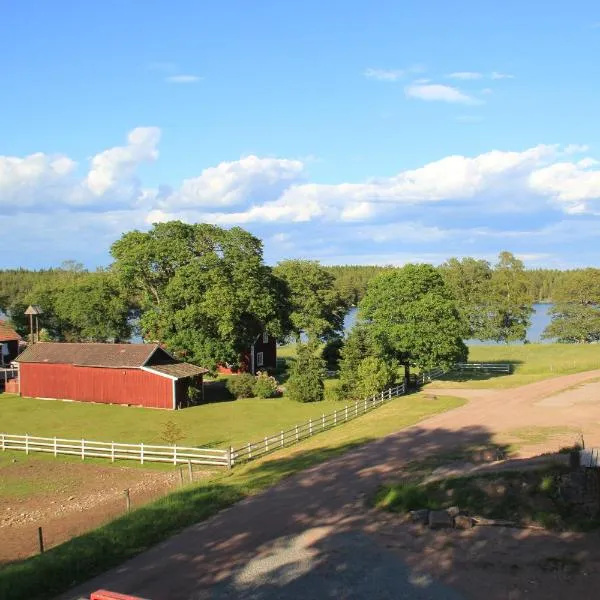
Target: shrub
331, 353
306, 379
171, 433
265, 386
194, 394
374, 375
241, 386
334, 391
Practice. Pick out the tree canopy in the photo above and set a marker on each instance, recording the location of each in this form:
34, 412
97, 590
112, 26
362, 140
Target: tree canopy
317, 308
410, 317
201, 289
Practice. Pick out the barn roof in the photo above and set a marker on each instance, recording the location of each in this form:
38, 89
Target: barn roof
89, 355
8, 334
179, 370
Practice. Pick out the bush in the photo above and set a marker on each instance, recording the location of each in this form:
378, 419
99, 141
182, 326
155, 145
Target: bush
265, 386
331, 353
241, 386
306, 379
194, 394
334, 391
374, 375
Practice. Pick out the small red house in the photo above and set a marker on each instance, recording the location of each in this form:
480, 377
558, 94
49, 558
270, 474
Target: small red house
261, 356
136, 374
9, 344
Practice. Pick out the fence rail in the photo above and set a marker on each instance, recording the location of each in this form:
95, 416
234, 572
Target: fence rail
116, 451
489, 367
289, 437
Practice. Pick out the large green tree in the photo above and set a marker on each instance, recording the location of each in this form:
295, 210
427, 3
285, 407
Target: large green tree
576, 314
317, 308
201, 289
411, 318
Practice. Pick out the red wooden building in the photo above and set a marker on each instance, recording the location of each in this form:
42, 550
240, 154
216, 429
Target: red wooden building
261, 356
136, 374
9, 344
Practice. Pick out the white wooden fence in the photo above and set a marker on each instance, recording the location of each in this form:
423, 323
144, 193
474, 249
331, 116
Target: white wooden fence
143, 453
311, 427
429, 376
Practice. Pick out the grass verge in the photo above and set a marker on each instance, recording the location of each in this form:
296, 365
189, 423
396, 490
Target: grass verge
81, 558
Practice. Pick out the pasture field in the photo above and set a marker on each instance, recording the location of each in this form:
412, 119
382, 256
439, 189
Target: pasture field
530, 363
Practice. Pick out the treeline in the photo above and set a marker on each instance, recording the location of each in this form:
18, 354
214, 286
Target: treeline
352, 280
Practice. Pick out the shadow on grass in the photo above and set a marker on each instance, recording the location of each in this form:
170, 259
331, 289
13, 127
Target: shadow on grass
458, 376
193, 563
216, 391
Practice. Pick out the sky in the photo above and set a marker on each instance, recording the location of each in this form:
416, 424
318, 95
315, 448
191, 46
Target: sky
350, 132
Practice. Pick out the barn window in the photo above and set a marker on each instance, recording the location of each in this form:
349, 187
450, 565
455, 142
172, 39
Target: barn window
265, 337
260, 361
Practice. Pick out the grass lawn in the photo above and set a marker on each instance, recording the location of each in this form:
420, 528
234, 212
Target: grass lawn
46, 575
209, 425
531, 362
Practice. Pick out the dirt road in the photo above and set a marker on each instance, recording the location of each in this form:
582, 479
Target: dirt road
311, 536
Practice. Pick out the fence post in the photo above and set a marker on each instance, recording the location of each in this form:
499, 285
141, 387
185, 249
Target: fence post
390, 394
365, 405
334, 418
296, 433
229, 457
266, 444
356, 409
112, 452
190, 470
249, 450
323, 427
41, 539
26, 443
127, 500
346, 407
310, 427
82, 449
55, 449
282, 438
3, 446
174, 454
142, 453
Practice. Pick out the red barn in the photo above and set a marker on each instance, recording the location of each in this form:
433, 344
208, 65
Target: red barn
9, 344
137, 374
261, 356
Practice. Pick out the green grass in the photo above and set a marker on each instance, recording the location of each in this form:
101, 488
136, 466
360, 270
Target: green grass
209, 425
523, 498
531, 362
49, 574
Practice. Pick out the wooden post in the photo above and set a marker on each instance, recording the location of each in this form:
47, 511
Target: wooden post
3, 444
282, 438
112, 452
41, 539
323, 421
55, 449
26, 443
310, 427
346, 409
390, 394
266, 444
190, 472
230, 457
296, 433
127, 500
356, 409
142, 453
82, 449
365, 405
249, 450
334, 418
181, 476
175, 454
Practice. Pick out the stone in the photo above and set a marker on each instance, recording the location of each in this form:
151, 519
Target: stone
463, 522
453, 511
420, 517
440, 519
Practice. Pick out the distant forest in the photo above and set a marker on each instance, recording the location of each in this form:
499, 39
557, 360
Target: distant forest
352, 280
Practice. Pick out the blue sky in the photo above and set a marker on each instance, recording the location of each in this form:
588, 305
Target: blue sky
349, 132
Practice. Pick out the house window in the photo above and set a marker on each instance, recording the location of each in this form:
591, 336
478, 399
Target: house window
265, 337
260, 361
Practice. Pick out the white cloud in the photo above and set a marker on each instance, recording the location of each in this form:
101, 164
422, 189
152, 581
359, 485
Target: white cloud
576, 148
182, 79
437, 92
497, 75
384, 74
465, 75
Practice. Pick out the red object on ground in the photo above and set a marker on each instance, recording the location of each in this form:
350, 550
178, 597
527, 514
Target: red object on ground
106, 595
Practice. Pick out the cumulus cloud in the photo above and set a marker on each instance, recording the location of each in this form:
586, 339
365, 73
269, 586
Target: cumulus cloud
437, 92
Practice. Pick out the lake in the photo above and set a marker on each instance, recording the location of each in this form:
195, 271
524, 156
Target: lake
539, 321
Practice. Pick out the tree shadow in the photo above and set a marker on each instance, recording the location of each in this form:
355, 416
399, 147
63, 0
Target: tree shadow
216, 391
310, 534
464, 376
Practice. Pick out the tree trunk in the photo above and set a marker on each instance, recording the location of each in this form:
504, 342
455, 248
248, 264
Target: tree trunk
406, 374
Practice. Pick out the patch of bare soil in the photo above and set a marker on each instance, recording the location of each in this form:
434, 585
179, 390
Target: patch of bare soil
82, 497
496, 563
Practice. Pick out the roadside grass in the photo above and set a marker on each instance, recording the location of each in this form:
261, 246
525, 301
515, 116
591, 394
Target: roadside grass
538, 435
79, 559
530, 362
521, 497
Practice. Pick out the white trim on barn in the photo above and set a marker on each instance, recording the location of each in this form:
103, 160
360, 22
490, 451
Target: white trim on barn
151, 370
174, 394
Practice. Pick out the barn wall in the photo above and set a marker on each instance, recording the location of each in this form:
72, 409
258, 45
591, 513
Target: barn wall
93, 384
269, 351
